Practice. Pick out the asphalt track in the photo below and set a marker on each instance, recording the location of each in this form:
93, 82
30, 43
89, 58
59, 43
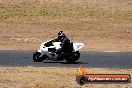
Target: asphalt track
87, 59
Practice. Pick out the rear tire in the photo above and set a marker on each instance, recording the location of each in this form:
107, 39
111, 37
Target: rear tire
36, 57
72, 57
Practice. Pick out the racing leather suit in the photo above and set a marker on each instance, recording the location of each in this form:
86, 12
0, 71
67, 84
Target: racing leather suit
66, 45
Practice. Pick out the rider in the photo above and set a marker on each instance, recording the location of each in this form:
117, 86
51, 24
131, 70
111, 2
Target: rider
66, 45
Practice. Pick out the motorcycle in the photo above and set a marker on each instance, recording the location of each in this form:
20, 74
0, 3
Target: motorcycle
48, 50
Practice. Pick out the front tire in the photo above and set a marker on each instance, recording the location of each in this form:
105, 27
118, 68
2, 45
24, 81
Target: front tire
72, 57
36, 57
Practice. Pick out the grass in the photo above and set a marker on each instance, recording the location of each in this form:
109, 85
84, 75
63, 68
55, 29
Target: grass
29, 9
43, 77
82, 20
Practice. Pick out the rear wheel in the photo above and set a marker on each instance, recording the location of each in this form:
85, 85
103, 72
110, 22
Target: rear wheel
36, 57
72, 57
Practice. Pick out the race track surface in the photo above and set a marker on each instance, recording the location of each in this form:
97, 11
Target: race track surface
87, 59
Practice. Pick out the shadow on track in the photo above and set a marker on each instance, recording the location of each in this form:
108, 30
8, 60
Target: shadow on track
65, 62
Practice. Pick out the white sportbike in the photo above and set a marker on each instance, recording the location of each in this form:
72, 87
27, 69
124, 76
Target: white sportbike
48, 50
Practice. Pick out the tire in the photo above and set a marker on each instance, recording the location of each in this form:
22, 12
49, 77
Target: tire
81, 80
36, 57
72, 57
76, 55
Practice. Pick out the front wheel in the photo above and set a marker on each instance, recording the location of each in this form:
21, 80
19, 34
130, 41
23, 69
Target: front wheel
36, 57
72, 57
